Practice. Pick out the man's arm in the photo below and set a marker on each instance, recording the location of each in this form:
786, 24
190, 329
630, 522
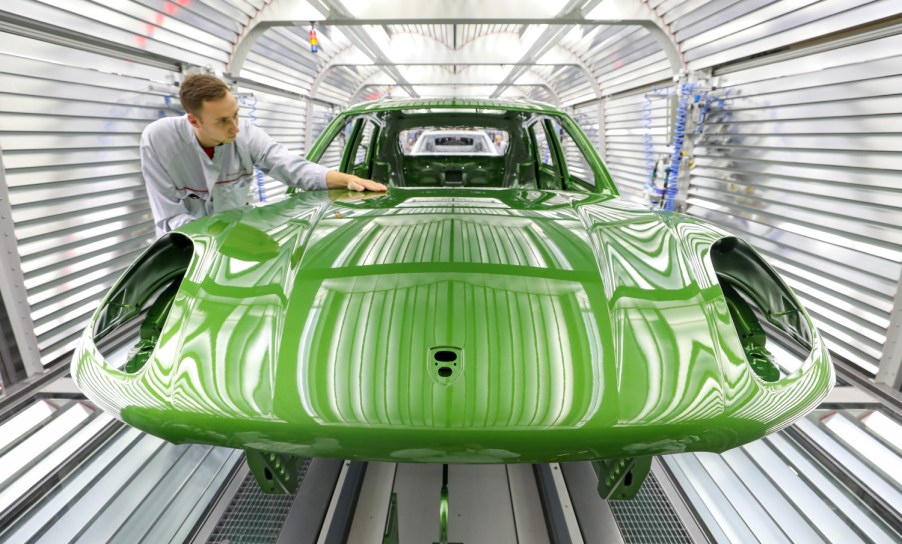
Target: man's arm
292, 169
168, 211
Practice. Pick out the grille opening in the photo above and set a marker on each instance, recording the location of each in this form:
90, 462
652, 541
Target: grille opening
445, 356
444, 372
455, 176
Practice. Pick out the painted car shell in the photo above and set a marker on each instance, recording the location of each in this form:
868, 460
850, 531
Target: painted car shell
588, 328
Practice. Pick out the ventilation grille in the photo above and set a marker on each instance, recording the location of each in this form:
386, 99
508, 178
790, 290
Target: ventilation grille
253, 517
649, 517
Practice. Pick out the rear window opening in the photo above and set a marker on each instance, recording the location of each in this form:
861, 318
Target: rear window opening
456, 141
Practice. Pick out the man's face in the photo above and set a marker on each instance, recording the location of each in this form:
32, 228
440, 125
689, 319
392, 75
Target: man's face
217, 122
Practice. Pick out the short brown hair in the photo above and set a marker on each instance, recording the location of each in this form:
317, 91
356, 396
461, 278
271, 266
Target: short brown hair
198, 88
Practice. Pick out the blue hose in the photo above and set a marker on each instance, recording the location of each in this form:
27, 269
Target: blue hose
678, 135
651, 188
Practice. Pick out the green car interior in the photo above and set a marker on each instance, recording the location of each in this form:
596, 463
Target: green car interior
536, 150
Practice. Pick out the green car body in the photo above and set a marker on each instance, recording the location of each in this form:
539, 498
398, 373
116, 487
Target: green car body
461, 323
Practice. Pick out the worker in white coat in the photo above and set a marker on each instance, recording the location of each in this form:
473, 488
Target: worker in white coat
203, 162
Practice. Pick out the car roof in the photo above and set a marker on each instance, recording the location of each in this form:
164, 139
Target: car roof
452, 103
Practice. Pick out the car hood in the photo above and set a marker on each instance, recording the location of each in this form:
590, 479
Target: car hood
561, 310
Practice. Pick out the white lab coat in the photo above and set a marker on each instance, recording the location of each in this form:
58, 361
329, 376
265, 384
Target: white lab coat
184, 184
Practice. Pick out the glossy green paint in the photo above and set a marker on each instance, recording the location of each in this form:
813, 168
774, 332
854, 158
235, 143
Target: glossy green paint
582, 327
588, 328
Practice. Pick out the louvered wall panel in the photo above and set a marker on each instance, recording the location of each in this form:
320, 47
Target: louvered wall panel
284, 119
626, 58
805, 164
335, 84
541, 94
588, 117
321, 117
377, 92
368, 92
247, 7
636, 132
338, 86
70, 123
197, 34
620, 58
282, 59
239, 10
572, 85
720, 31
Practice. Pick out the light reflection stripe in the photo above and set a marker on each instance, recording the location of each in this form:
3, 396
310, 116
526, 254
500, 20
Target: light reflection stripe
490, 356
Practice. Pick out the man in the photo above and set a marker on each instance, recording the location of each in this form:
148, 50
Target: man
499, 144
203, 162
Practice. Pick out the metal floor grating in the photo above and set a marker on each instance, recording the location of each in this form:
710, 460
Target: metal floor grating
649, 518
254, 517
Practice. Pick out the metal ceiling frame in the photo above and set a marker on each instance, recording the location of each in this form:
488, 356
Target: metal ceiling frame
576, 12
576, 62
545, 86
365, 43
550, 37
